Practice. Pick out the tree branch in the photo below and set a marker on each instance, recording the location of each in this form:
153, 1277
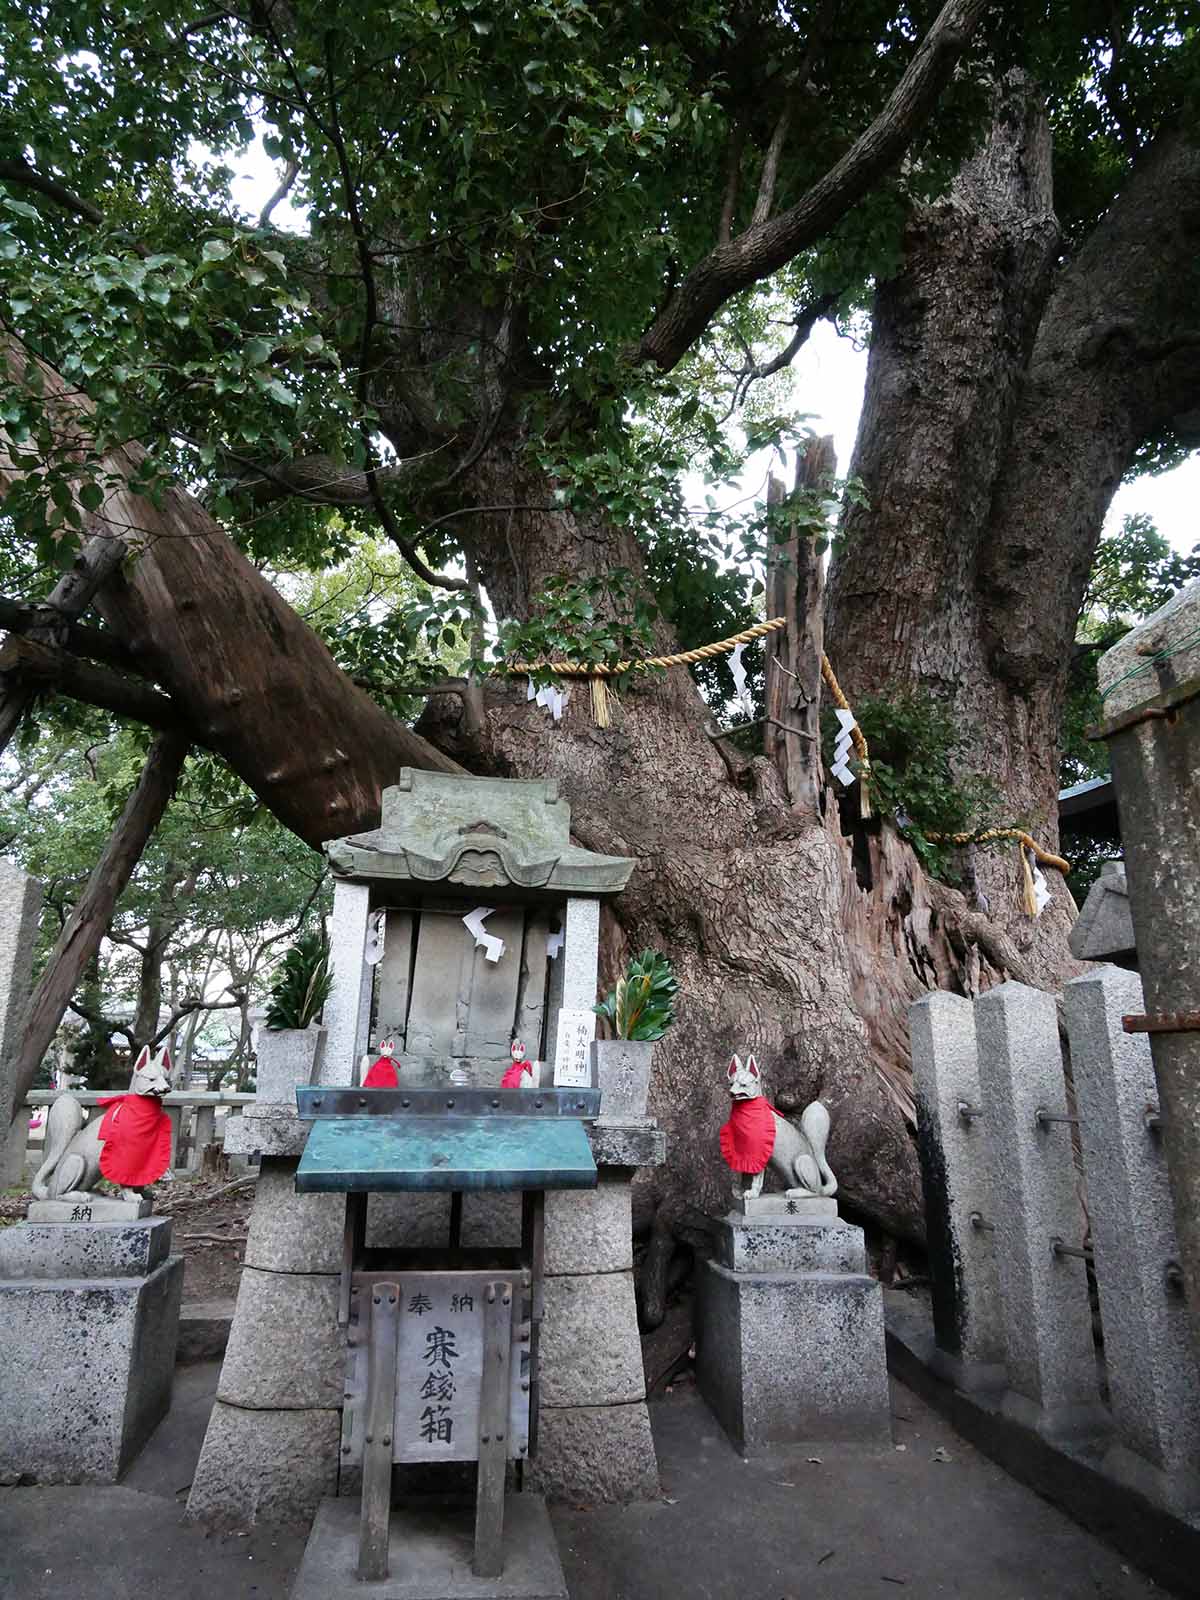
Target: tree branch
733, 172
97, 644
194, 1003
70, 597
770, 170
764, 248
39, 666
281, 193
20, 172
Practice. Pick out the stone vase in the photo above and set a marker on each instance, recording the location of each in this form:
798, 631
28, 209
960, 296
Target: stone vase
623, 1078
286, 1057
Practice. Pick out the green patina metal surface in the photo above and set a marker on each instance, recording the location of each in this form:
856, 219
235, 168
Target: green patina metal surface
477, 833
445, 1153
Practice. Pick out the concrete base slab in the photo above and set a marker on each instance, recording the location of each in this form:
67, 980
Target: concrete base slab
429, 1555
89, 1208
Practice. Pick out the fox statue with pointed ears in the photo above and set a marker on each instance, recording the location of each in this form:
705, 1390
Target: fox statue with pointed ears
130, 1144
757, 1137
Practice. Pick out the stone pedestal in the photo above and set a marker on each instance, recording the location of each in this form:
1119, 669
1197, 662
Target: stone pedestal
429, 1554
271, 1453
789, 1334
89, 1317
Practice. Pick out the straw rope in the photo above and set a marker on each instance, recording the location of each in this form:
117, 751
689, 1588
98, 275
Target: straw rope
683, 658
1044, 856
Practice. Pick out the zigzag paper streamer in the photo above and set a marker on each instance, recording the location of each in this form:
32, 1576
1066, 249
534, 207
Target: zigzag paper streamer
742, 698
493, 948
842, 746
376, 930
1041, 893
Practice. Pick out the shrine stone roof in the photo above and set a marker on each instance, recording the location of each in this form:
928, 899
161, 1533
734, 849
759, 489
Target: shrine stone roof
441, 828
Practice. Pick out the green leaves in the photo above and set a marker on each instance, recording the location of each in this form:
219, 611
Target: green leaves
642, 1006
302, 983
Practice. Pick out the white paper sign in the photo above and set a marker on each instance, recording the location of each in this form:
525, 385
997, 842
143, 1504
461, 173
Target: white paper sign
573, 1050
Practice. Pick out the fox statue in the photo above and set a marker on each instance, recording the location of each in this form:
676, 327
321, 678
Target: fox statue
130, 1144
756, 1137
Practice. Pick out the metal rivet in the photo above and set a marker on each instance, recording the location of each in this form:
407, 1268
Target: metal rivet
391, 1299
387, 1438
347, 1394
449, 1103
523, 1449
345, 1449
539, 1102
499, 1438
406, 1104
374, 1299
525, 1386
362, 1099
484, 1438
370, 1438
354, 1290
508, 1299
491, 1294
317, 1101
495, 1103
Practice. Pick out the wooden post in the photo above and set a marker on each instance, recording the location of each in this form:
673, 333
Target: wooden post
533, 1253
88, 922
493, 1431
796, 590
383, 1338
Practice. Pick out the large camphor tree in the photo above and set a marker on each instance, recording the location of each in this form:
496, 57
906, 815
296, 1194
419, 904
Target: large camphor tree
523, 263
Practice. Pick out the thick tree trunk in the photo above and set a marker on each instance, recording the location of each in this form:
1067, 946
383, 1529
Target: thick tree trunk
1002, 409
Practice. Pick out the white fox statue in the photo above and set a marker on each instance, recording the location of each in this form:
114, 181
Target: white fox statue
757, 1137
75, 1154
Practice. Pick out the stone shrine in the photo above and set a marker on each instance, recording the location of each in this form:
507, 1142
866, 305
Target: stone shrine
466, 919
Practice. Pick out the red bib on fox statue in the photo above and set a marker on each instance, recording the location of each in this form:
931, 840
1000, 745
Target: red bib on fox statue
383, 1074
521, 1065
748, 1138
135, 1140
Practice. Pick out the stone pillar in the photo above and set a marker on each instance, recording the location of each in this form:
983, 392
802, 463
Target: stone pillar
89, 1319
20, 909
594, 1439
952, 1140
1050, 1355
349, 995
1150, 684
580, 955
271, 1450
205, 1128
1152, 1375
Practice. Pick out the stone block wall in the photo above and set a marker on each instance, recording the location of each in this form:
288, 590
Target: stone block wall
1000, 1164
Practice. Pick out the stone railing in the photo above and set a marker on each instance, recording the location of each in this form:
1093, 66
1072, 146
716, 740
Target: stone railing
1032, 1181
197, 1119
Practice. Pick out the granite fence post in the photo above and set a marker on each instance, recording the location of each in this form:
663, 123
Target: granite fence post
1051, 1359
20, 908
952, 1141
349, 995
1150, 683
1152, 1375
